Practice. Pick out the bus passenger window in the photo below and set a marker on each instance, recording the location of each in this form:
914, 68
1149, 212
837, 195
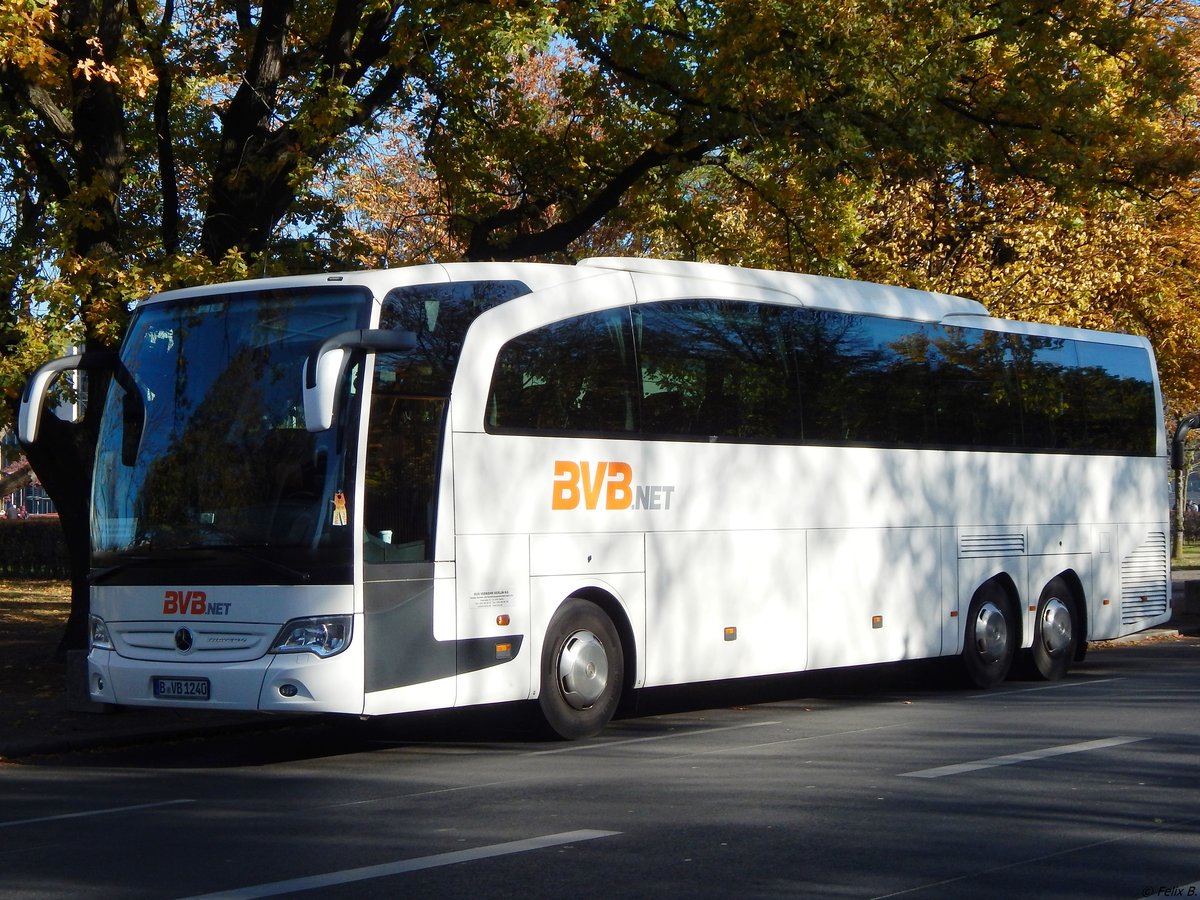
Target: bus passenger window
569, 377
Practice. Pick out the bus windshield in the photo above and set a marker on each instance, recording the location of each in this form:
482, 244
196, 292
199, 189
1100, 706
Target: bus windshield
203, 446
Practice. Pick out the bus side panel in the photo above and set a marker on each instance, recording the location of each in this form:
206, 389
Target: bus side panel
411, 698
403, 645
561, 565
726, 604
493, 617
875, 595
1104, 603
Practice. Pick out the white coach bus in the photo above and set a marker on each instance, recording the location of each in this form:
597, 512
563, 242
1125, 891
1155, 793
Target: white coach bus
447, 485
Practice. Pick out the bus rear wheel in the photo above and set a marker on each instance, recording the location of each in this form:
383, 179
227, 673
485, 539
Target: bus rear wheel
1056, 633
583, 669
991, 638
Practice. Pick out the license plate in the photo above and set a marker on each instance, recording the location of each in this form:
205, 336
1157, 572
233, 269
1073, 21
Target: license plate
181, 688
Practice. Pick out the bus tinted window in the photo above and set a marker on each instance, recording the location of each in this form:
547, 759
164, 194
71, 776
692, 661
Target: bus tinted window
724, 370
715, 369
572, 376
1120, 398
862, 380
1052, 407
439, 315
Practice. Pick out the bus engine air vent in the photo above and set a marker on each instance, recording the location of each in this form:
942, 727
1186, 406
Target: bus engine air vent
977, 546
1144, 592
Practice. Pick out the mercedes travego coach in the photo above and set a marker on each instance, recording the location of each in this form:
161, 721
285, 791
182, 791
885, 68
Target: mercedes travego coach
446, 485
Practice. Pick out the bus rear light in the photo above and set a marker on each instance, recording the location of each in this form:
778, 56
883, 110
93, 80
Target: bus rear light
731, 633
322, 635
876, 621
504, 651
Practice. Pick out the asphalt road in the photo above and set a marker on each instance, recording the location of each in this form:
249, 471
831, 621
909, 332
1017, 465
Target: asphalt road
885, 783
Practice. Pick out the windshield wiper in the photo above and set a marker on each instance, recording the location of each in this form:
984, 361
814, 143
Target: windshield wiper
207, 553
134, 562
265, 560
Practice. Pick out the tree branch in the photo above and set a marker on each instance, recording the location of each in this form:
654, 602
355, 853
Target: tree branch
163, 130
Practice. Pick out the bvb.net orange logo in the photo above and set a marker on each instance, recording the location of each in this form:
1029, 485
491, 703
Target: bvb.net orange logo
604, 485
575, 481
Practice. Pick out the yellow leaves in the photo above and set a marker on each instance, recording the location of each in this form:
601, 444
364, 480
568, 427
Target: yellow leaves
135, 72
93, 67
25, 26
141, 77
1116, 265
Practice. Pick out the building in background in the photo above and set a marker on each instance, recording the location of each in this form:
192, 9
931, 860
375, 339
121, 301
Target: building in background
21, 494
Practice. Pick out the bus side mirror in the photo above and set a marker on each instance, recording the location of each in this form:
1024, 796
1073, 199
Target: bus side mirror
33, 400
325, 365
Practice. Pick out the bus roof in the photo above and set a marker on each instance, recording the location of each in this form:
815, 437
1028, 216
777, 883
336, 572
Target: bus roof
816, 291
380, 281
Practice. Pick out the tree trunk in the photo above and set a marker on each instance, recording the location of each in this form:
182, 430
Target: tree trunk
63, 457
1180, 512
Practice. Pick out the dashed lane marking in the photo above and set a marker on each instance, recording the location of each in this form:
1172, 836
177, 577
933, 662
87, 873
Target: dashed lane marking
1014, 758
347, 876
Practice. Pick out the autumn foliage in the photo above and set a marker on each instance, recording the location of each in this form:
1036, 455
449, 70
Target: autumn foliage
1040, 157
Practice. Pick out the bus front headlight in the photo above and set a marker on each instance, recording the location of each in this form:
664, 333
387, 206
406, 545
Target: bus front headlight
98, 637
322, 635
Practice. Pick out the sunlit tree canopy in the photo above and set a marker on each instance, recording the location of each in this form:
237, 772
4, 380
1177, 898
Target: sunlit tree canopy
1040, 157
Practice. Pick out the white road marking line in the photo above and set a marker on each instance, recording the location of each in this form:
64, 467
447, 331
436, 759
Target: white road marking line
808, 738
402, 866
94, 812
1057, 686
1015, 758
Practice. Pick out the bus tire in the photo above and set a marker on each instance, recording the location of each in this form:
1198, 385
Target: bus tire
991, 637
583, 669
1055, 631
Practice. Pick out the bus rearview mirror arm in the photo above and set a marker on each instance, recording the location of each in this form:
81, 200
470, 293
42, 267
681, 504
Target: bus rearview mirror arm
325, 365
33, 399
1186, 424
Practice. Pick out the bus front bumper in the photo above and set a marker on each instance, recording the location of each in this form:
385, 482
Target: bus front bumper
292, 682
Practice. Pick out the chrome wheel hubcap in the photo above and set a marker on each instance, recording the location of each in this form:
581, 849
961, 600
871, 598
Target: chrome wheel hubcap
1056, 626
582, 669
991, 633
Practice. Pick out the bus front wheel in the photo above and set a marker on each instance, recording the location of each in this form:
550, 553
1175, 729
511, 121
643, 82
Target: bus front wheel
1056, 635
582, 670
991, 638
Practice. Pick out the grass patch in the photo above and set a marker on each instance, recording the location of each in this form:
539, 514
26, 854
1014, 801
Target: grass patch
1190, 559
32, 617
